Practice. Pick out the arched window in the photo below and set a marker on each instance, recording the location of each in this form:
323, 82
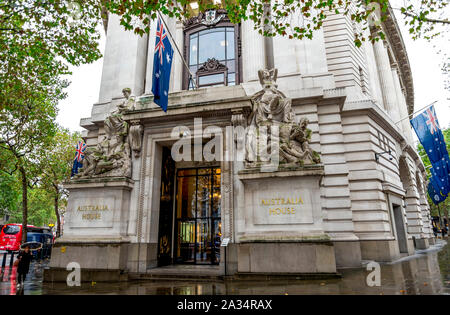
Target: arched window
211, 50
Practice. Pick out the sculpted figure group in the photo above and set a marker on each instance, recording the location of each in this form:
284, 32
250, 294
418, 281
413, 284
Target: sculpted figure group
273, 129
112, 156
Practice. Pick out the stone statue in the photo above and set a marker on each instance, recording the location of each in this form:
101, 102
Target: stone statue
273, 129
114, 121
112, 155
295, 149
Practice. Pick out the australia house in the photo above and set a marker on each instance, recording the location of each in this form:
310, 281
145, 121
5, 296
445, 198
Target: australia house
293, 153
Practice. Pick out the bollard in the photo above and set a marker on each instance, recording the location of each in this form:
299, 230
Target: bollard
4, 261
11, 260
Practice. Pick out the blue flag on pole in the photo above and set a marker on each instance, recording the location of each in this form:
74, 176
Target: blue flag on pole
162, 63
439, 184
429, 133
444, 163
79, 156
440, 171
435, 196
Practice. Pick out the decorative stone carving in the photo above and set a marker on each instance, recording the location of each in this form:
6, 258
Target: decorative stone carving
136, 131
238, 118
212, 65
211, 18
208, 18
273, 129
111, 156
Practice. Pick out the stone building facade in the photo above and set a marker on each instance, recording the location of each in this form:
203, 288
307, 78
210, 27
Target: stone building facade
364, 200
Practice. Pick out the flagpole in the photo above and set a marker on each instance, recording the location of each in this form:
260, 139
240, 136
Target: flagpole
176, 46
416, 112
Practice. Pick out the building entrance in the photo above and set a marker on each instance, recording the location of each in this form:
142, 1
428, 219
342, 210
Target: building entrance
197, 223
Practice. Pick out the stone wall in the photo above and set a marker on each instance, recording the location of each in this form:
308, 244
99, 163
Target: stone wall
340, 88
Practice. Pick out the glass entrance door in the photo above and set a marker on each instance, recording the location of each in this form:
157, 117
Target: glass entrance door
197, 221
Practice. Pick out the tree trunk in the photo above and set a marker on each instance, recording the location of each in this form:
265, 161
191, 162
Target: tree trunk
24, 204
58, 220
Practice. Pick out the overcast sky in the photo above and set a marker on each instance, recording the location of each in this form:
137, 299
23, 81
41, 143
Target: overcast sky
425, 64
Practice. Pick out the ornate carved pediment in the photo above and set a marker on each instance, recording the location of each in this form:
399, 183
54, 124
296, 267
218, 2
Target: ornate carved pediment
212, 65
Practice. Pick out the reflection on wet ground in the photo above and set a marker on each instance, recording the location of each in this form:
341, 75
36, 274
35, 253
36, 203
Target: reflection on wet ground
427, 272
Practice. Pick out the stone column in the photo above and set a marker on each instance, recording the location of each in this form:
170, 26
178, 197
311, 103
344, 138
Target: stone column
150, 56
268, 41
375, 89
124, 61
252, 52
386, 81
401, 101
177, 74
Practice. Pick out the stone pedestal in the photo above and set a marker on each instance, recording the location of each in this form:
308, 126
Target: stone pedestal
94, 231
432, 241
422, 243
296, 256
283, 223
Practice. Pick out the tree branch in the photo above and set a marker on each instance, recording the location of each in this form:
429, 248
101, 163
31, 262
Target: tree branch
427, 20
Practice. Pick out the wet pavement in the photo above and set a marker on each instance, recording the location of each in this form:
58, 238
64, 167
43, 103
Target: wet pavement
426, 272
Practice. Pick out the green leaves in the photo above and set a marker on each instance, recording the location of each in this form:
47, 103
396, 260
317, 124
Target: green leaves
38, 40
294, 19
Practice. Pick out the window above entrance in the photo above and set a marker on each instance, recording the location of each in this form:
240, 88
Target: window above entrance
211, 50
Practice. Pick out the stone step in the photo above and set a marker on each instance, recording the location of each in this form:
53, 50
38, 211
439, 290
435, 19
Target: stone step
181, 272
244, 276
174, 277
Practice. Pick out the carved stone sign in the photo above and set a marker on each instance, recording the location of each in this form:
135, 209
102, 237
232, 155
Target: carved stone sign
288, 200
93, 212
278, 206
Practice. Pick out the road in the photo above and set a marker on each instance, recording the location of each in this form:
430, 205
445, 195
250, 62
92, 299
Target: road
426, 272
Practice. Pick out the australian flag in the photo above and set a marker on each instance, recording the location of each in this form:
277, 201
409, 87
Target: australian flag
79, 156
440, 184
435, 195
429, 133
162, 63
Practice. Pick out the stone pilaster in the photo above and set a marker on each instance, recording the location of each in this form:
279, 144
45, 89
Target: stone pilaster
413, 212
412, 200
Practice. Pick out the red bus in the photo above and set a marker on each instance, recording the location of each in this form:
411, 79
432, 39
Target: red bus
11, 236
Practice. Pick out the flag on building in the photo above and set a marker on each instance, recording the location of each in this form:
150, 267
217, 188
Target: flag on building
429, 133
162, 64
434, 195
444, 163
439, 184
439, 170
79, 156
